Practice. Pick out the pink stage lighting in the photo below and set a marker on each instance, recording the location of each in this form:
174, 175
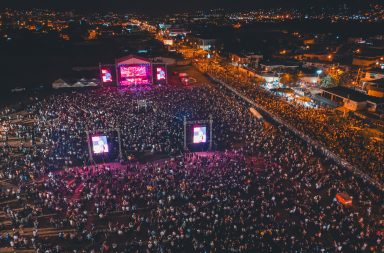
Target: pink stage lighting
106, 75
160, 74
134, 74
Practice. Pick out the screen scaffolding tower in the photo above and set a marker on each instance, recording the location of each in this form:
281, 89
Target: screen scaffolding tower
109, 67
98, 131
208, 122
140, 103
162, 66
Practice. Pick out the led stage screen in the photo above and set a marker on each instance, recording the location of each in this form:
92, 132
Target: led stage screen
106, 75
160, 74
199, 134
135, 74
100, 144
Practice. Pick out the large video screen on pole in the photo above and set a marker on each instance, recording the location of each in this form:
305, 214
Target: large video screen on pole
160, 73
106, 75
199, 134
135, 74
100, 144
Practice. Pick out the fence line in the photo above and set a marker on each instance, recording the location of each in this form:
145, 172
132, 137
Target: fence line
319, 147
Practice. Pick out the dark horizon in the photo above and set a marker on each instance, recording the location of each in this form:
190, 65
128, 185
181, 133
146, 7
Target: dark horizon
166, 6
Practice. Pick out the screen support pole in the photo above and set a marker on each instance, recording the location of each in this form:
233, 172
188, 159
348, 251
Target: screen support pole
117, 75
166, 73
210, 131
89, 147
119, 137
185, 133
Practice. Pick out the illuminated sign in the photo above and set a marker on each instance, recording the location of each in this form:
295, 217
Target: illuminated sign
135, 74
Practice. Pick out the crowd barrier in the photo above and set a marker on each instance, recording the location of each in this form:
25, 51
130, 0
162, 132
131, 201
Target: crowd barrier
316, 145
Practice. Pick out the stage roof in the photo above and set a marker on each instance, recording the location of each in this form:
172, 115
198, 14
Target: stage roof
132, 59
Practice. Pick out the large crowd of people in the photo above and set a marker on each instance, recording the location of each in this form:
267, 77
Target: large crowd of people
347, 137
261, 190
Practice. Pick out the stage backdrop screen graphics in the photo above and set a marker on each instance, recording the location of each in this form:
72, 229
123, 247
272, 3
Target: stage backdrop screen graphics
100, 144
200, 134
135, 74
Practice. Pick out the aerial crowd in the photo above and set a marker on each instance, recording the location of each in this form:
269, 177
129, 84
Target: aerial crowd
347, 137
261, 190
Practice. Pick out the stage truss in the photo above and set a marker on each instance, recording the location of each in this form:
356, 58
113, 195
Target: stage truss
141, 104
188, 123
103, 131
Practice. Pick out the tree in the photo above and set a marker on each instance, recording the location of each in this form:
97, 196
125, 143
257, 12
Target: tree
328, 82
289, 79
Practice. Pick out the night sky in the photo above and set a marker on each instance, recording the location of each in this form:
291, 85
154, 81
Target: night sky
153, 6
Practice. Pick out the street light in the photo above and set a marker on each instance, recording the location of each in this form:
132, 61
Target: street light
319, 71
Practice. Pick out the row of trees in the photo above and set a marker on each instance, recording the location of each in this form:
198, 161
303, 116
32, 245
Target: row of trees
327, 81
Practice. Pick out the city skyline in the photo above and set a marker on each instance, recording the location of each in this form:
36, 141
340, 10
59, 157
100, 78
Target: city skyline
153, 6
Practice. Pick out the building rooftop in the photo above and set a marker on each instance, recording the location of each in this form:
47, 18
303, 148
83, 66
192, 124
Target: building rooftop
353, 94
376, 70
379, 82
371, 52
281, 63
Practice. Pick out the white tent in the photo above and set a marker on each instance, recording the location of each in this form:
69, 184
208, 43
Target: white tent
60, 83
78, 84
92, 84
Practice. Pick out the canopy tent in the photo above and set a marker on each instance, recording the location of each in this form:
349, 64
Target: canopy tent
93, 84
78, 84
60, 83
